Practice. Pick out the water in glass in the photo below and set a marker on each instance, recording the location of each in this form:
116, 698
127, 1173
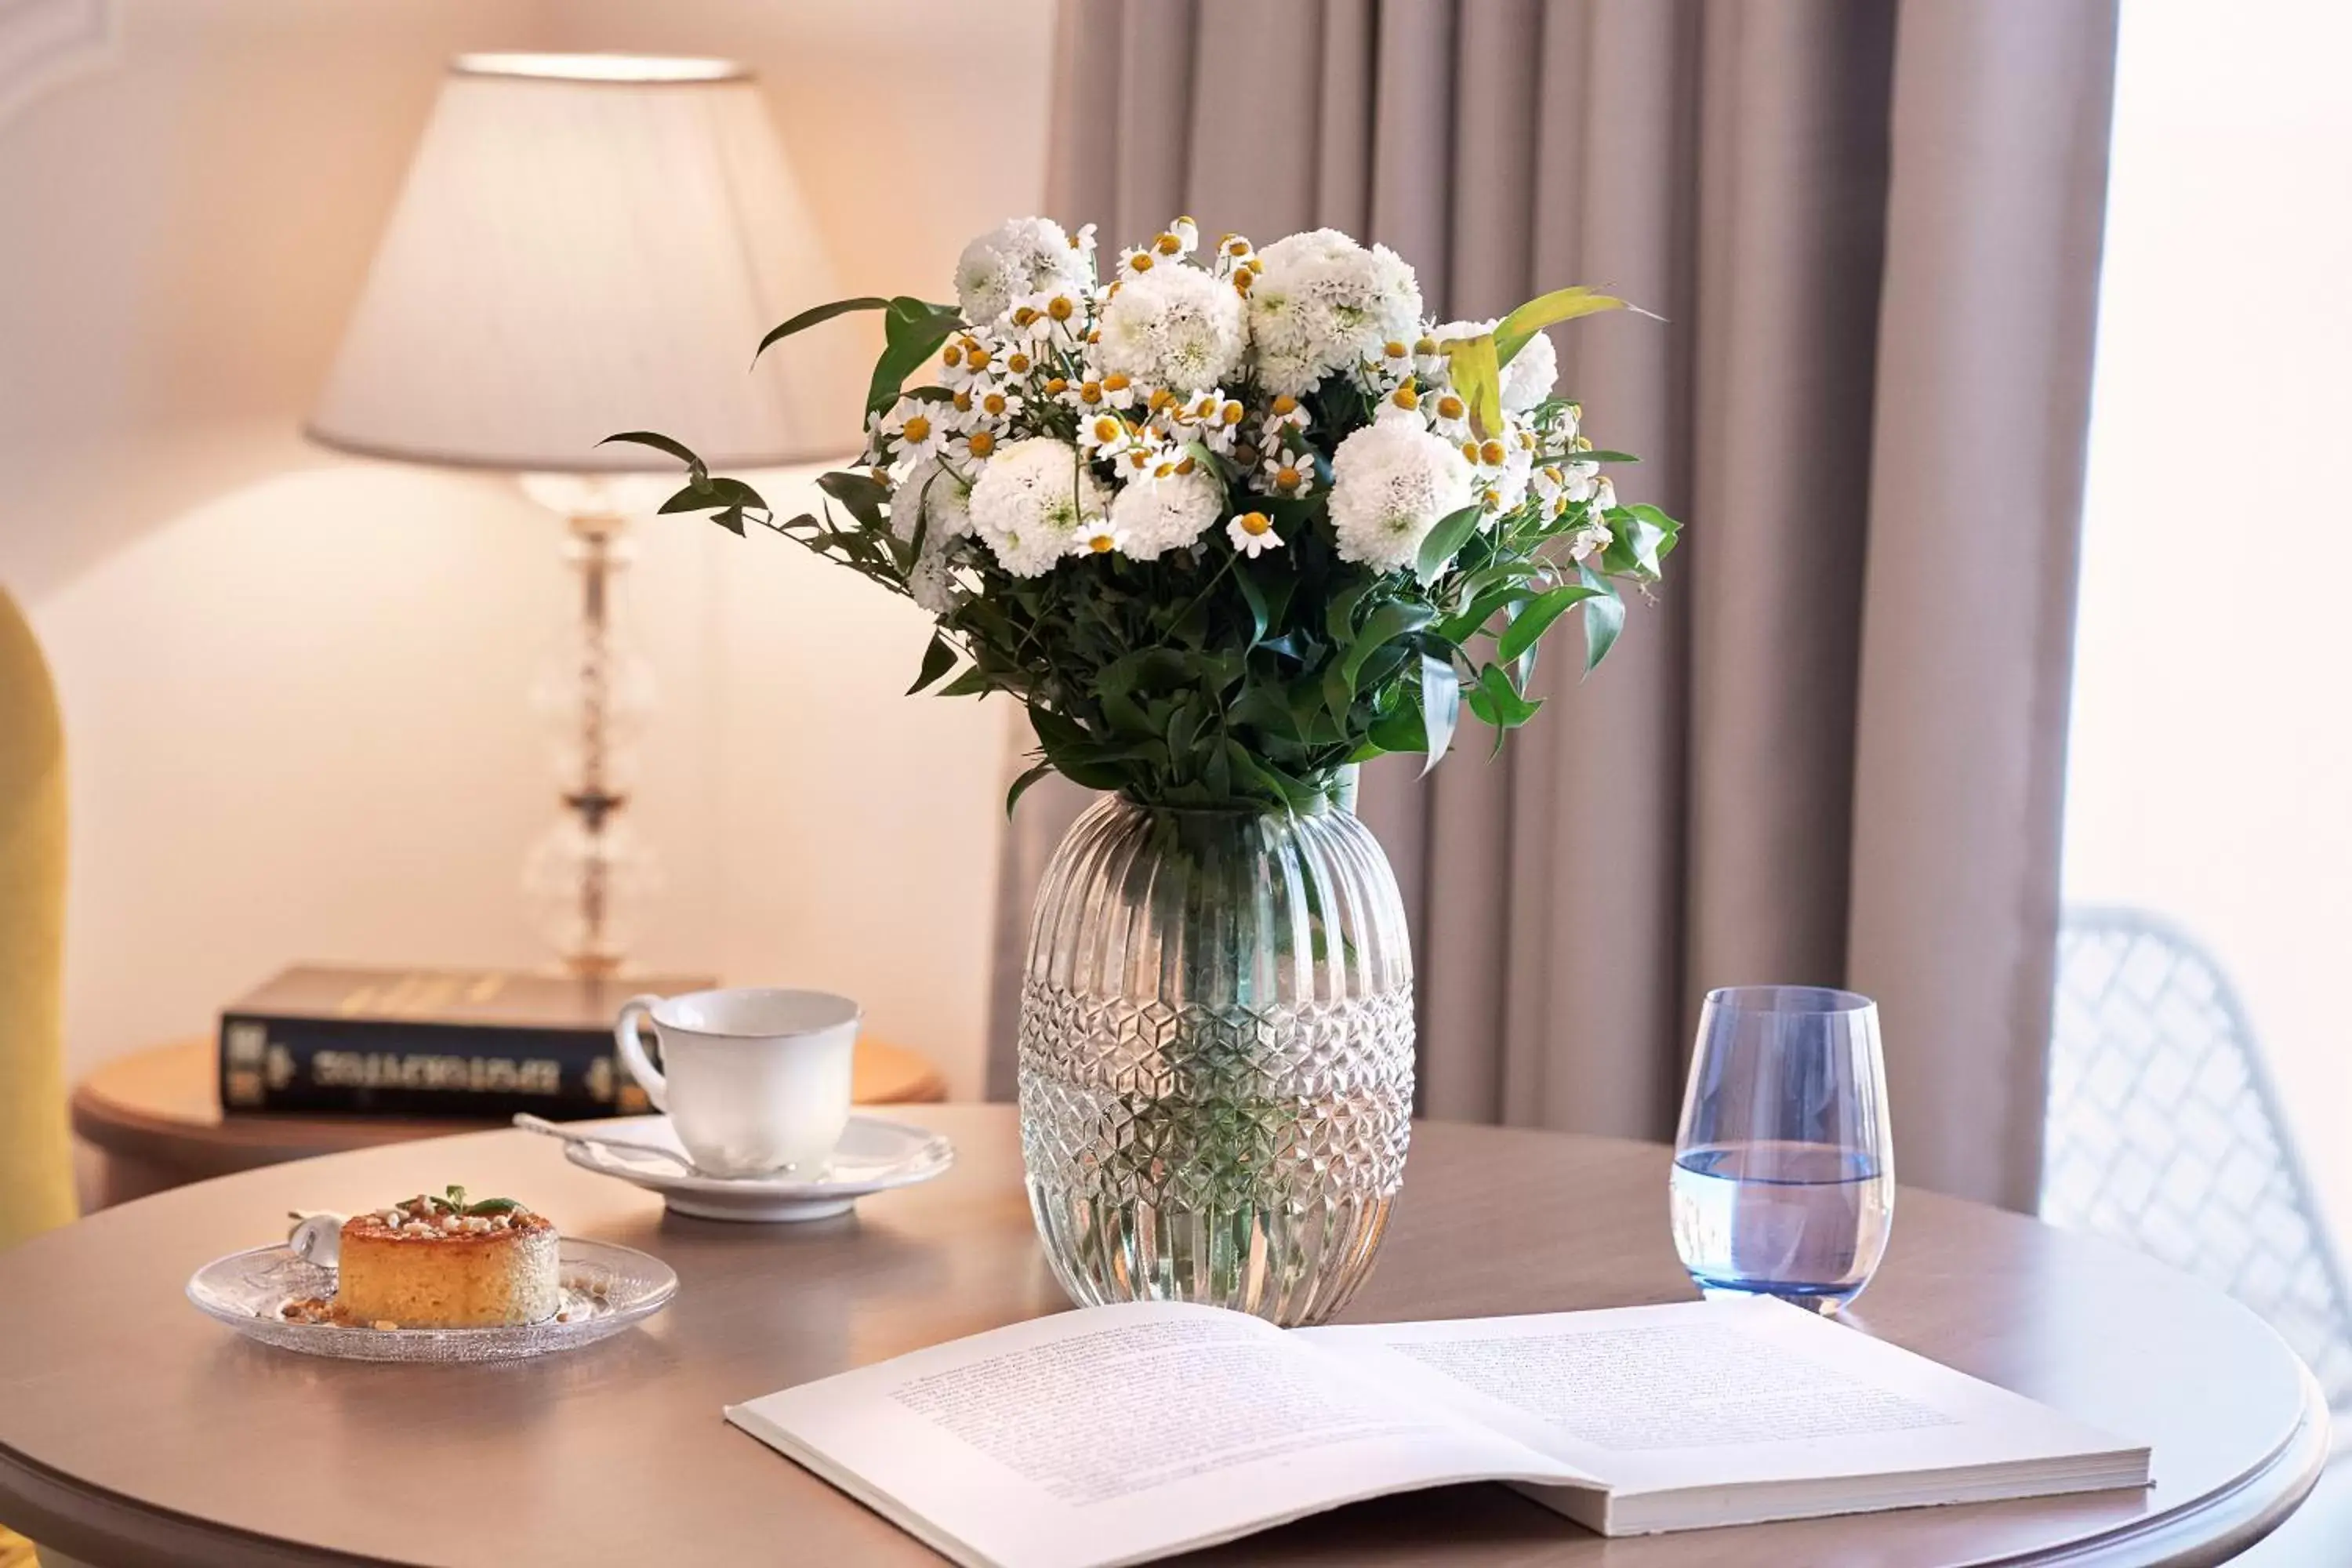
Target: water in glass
1783, 1180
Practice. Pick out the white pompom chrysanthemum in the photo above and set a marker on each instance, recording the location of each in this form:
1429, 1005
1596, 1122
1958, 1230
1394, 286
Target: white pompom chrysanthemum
1019, 256
932, 583
1529, 379
1174, 327
1031, 502
1390, 483
1323, 304
931, 493
1157, 515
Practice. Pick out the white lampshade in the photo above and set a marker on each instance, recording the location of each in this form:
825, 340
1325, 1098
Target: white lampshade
588, 244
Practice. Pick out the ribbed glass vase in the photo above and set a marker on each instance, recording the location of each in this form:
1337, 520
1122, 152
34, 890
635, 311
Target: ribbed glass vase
1216, 1057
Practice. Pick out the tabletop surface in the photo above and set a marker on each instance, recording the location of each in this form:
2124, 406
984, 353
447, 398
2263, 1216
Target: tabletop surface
154, 1101
134, 1430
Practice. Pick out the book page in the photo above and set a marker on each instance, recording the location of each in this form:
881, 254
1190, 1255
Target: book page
1711, 1394
1116, 1433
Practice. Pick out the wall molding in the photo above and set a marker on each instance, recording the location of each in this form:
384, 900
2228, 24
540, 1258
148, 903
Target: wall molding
46, 42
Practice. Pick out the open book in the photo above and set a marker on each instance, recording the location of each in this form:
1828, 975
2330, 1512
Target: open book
1120, 1434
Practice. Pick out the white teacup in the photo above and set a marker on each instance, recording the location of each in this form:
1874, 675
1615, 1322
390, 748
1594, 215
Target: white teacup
755, 1082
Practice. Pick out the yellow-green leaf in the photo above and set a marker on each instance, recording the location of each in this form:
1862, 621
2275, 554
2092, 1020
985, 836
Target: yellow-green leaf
1477, 375
1511, 335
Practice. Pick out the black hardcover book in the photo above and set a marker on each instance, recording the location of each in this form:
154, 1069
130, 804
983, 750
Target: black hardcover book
437, 1043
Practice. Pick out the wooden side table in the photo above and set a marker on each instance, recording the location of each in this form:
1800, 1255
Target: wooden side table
155, 1117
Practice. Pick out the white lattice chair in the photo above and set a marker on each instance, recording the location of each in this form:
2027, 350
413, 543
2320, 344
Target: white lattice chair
2164, 1132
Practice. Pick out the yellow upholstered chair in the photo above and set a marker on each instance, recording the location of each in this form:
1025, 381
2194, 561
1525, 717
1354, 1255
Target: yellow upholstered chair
35, 1162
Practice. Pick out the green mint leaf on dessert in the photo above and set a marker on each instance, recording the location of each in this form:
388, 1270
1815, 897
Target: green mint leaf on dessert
456, 1199
497, 1206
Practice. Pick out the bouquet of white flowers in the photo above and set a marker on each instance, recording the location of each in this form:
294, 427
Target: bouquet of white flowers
1225, 521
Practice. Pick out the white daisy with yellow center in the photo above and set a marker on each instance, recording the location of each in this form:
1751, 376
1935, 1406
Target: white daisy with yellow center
967, 447
1220, 432
1253, 534
916, 428
994, 404
1105, 434
1285, 474
1448, 414
1283, 415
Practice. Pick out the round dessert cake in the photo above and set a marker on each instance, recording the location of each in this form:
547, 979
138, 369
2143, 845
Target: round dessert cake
444, 1263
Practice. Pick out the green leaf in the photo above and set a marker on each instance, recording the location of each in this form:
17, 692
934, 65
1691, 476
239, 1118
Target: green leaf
1508, 708
1599, 455
1640, 537
1339, 695
1477, 375
1670, 532
1242, 764
1254, 597
938, 660
716, 491
1185, 722
1391, 621
912, 331
1057, 730
1339, 619
1021, 785
1536, 617
1462, 626
1512, 332
862, 494
684, 454
1265, 708
1604, 617
814, 316
1443, 541
496, 1205
1441, 708
973, 682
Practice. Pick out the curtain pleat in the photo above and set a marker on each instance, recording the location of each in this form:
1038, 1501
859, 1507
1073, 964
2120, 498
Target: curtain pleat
1830, 750
1998, 174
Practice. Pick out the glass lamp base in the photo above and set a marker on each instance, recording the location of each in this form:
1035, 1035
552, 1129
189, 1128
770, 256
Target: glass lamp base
587, 890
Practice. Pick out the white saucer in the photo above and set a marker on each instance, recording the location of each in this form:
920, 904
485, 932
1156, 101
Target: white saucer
874, 1154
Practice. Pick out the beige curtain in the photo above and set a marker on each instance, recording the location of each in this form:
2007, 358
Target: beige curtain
1831, 751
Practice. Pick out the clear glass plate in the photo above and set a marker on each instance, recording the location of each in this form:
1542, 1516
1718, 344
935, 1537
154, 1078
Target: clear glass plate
605, 1289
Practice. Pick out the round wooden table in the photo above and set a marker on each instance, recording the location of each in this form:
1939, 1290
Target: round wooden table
135, 1432
155, 1115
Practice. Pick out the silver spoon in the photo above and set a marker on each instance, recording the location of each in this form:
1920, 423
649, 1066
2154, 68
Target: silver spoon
623, 1147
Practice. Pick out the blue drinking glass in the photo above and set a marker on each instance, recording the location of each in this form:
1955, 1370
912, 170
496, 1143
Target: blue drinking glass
1784, 1178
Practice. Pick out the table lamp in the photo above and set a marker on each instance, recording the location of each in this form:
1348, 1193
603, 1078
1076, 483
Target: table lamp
587, 244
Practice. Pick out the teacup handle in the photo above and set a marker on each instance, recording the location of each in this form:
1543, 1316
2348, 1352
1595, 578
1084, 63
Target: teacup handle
633, 1050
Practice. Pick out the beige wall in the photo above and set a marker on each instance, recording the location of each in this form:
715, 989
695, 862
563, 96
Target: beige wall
294, 684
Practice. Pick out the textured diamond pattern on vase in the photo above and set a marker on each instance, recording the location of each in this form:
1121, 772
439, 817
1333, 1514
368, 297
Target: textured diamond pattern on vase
1216, 1058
